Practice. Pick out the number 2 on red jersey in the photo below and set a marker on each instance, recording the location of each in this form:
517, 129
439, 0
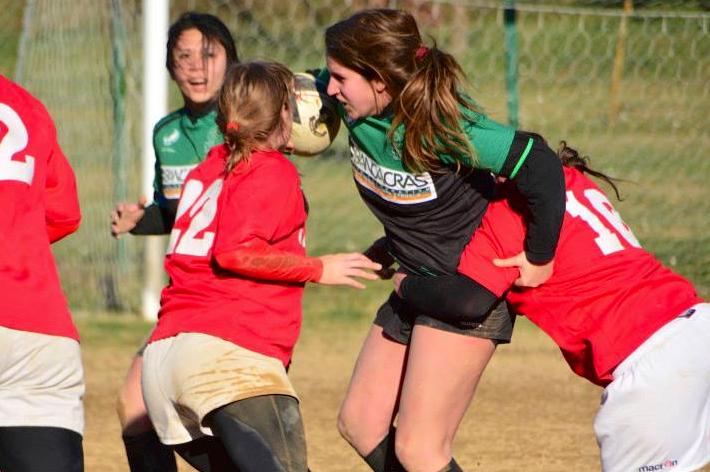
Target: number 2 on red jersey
609, 230
14, 139
201, 208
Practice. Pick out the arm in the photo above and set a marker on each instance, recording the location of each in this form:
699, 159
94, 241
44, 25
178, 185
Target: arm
260, 261
159, 216
451, 298
379, 252
136, 218
537, 173
62, 212
158, 219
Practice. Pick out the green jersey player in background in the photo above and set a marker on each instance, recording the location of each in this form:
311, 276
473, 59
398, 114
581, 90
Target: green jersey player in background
200, 49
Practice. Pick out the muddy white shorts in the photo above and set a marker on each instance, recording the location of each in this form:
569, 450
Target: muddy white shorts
41, 381
188, 376
655, 415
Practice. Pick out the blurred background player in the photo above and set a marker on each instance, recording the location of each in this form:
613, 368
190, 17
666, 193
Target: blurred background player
621, 319
200, 48
41, 374
422, 154
215, 369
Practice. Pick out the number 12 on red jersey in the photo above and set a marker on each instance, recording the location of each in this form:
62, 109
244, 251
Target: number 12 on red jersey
14, 140
201, 208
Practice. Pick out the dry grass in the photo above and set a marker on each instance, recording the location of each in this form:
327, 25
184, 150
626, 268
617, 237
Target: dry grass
530, 411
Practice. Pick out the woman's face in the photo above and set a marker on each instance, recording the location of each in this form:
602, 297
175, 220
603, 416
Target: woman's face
198, 68
359, 96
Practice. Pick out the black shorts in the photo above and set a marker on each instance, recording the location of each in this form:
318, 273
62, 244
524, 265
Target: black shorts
397, 320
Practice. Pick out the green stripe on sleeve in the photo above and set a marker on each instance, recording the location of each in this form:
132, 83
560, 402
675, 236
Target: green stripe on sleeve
523, 156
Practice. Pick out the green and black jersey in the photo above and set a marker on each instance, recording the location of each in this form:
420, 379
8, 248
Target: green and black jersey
180, 141
429, 217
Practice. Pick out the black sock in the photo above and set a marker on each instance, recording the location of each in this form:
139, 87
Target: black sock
452, 467
40, 449
146, 453
206, 454
383, 457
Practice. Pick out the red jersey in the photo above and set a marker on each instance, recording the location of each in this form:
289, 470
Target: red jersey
606, 296
260, 200
38, 205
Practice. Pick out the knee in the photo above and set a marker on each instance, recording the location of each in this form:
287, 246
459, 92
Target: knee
362, 431
346, 425
417, 453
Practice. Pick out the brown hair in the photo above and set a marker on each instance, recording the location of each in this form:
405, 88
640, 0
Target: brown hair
571, 158
424, 83
250, 104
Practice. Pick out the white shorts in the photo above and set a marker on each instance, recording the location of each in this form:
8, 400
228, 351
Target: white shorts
188, 376
41, 381
655, 414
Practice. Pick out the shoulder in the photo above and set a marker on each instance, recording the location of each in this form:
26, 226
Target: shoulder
168, 120
33, 116
22, 102
273, 162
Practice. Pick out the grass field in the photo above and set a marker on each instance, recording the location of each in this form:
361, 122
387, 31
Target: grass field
530, 411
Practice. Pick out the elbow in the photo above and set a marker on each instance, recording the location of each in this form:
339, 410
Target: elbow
58, 231
473, 310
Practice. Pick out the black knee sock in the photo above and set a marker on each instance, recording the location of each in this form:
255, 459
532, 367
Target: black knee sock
146, 453
206, 454
452, 467
383, 458
262, 434
40, 449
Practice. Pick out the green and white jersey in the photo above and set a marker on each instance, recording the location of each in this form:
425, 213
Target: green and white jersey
181, 141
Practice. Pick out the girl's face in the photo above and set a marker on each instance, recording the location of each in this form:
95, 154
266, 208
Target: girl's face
198, 68
360, 97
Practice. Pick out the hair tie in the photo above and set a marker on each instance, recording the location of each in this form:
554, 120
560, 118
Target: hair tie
233, 126
421, 52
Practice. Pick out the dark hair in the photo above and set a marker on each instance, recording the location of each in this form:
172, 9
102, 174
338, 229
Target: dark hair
424, 83
212, 29
250, 104
571, 158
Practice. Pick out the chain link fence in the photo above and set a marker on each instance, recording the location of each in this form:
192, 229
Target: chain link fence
626, 82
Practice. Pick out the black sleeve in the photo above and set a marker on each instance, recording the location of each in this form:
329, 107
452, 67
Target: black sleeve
157, 219
541, 182
448, 298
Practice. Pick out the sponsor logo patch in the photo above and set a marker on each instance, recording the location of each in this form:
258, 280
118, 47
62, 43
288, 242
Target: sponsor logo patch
173, 178
392, 185
171, 138
665, 465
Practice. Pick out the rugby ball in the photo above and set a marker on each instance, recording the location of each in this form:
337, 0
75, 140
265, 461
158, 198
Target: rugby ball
315, 117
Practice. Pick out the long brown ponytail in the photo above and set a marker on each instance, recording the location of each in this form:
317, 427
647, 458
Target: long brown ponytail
424, 83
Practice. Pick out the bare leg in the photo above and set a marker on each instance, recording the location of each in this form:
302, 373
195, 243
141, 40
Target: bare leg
370, 403
144, 451
443, 371
130, 407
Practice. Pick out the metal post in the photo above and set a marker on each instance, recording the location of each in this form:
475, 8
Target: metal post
511, 62
155, 106
618, 69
